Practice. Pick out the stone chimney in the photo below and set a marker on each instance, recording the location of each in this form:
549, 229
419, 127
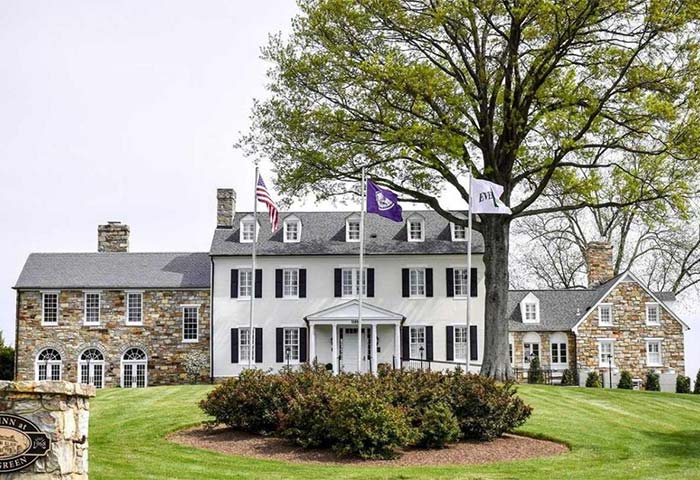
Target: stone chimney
599, 259
113, 237
225, 207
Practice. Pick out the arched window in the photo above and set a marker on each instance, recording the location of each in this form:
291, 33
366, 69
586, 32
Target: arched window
49, 365
134, 368
531, 347
91, 367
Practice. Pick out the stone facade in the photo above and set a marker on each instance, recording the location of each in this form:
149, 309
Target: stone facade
518, 341
62, 411
225, 207
599, 260
630, 333
113, 237
160, 336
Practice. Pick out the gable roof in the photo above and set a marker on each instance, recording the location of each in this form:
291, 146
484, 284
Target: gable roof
324, 234
350, 311
115, 270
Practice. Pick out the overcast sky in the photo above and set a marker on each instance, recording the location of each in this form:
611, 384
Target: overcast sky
127, 110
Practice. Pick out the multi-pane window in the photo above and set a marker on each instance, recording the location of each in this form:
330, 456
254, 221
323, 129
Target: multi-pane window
559, 353
460, 282
459, 232
291, 231
91, 367
605, 314
134, 368
606, 353
134, 308
246, 345
92, 308
351, 282
247, 231
531, 312
653, 317
654, 353
510, 353
460, 344
245, 283
416, 282
48, 365
415, 230
50, 308
353, 231
290, 283
530, 350
417, 342
190, 323
291, 344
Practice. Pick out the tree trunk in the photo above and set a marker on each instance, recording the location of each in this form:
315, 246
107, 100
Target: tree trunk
496, 232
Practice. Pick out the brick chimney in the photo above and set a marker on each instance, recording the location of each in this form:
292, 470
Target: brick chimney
225, 207
113, 237
599, 259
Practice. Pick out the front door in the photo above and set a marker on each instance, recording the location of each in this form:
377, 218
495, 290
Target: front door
349, 349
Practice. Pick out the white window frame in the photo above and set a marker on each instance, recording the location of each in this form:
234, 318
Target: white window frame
656, 306
600, 315
291, 345
414, 343
184, 310
409, 230
285, 285
241, 273
246, 222
44, 293
535, 318
416, 284
287, 223
528, 348
127, 296
558, 346
654, 341
455, 355
135, 363
243, 359
603, 362
85, 307
48, 363
353, 221
90, 365
354, 282
453, 231
462, 284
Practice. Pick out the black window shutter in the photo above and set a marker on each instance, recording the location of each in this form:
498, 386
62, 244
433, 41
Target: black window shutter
234, 345
450, 343
473, 343
450, 277
258, 283
474, 287
280, 345
429, 343
404, 283
302, 283
370, 282
234, 283
258, 345
338, 283
303, 354
405, 345
278, 283
428, 282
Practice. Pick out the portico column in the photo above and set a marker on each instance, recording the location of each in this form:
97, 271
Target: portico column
312, 343
397, 345
373, 342
334, 344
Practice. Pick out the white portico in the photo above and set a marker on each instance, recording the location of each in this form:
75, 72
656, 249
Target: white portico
333, 336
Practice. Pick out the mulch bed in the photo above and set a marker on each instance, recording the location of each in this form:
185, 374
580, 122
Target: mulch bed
233, 442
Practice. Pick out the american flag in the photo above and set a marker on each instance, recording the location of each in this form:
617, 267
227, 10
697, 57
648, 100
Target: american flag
264, 196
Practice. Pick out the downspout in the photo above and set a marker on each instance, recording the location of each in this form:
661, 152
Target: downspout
211, 322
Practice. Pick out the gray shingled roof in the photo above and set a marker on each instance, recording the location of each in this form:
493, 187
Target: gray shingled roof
323, 233
115, 270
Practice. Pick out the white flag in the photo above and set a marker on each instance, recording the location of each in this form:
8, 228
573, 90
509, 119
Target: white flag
485, 197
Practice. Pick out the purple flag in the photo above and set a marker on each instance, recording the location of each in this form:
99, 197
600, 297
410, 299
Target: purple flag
383, 202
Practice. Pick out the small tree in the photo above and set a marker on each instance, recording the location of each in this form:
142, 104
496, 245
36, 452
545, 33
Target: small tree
568, 378
682, 384
194, 364
696, 389
653, 381
7, 360
593, 379
535, 374
625, 382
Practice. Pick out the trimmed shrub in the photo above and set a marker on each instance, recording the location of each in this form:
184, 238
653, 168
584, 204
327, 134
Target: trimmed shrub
652, 381
625, 382
568, 378
593, 379
696, 388
535, 374
438, 427
682, 384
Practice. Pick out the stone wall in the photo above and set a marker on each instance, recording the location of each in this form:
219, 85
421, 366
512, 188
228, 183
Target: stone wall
629, 332
113, 237
545, 349
599, 261
160, 336
62, 411
225, 207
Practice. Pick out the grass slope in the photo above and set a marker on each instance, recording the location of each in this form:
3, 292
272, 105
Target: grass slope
613, 435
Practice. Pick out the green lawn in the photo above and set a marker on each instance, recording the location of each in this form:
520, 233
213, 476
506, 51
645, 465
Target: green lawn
613, 434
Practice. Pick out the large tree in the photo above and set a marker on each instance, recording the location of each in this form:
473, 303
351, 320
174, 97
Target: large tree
524, 93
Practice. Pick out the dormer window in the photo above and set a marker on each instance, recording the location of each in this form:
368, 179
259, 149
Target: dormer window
459, 233
352, 230
530, 308
530, 312
292, 230
247, 230
416, 229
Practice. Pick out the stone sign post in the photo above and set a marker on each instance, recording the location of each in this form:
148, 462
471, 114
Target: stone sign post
44, 430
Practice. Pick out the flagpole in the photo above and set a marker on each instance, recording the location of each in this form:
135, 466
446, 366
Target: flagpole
469, 273
252, 279
361, 272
